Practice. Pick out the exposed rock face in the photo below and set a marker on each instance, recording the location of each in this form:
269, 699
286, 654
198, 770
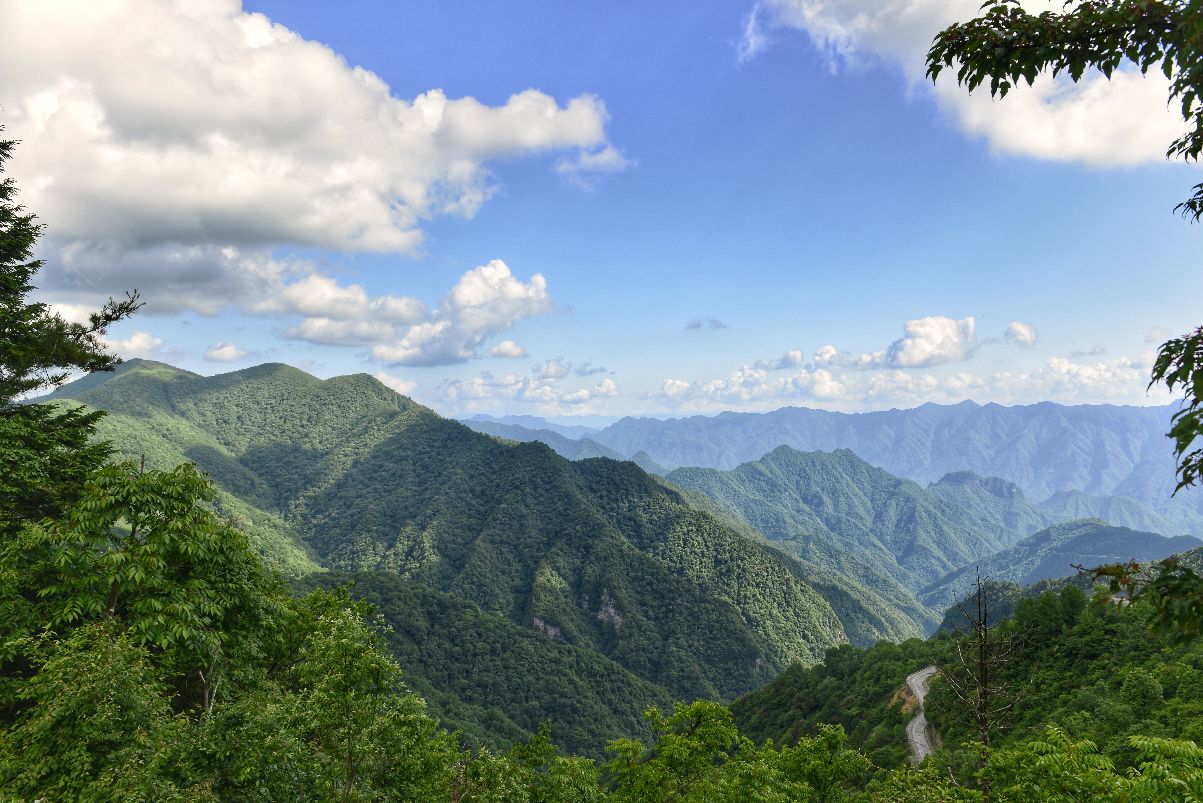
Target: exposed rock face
549, 630
607, 613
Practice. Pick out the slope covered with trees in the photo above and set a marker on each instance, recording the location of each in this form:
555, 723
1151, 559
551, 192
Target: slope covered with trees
594, 554
836, 511
1055, 552
572, 448
1088, 670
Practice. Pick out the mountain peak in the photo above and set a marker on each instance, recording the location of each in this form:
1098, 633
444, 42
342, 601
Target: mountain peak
995, 486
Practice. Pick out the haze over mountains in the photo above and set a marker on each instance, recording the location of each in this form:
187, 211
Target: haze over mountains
1105, 461
522, 585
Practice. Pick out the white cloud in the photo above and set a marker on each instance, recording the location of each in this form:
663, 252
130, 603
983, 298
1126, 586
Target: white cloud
405, 387
1021, 333
543, 388
585, 167
754, 38
139, 344
225, 352
1120, 380
791, 359
930, 341
197, 122
485, 302
156, 135
509, 349
1123, 121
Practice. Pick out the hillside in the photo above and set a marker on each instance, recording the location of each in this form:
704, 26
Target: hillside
444, 644
1091, 668
835, 510
1054, 552
595, 554
1046, 448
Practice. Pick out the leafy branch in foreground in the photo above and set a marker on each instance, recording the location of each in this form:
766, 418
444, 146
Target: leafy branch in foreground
1179, 364
1007, 45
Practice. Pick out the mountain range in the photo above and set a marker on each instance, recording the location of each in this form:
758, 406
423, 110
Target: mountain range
597, 555
492, 555
1106, 461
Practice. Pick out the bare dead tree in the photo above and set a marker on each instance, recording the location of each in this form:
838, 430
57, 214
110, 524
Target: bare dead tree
975, 678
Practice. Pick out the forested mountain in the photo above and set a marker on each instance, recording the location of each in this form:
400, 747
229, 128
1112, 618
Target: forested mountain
1046, 448
998, 506
496, 681
593, 554
1055, 551
574, 447
837, 511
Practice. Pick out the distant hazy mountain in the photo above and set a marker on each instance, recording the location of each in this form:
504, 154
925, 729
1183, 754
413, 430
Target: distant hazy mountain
1044, 449
533, 422
593, 554
572, 448
994, 504
1054, 552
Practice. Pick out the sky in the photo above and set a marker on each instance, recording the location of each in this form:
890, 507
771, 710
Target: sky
599, 208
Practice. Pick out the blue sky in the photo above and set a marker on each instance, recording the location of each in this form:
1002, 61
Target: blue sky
840, 234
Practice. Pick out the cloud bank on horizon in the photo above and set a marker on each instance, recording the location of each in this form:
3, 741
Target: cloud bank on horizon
220, 162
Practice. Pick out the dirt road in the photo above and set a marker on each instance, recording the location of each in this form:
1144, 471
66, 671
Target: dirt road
916, 730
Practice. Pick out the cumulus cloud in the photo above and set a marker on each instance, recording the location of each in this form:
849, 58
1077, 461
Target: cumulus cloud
204, 123
791, 359
544, 387
1123, 121
930, 341
485, 302
139, 344
509, 349
402, 330
709, 322
405, 387
225, 352
157, 134
1023, 334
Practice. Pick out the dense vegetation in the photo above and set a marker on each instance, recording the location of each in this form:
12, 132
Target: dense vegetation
1054, 552
572, 448
595, 554
891, 537
1085, 678
836, 510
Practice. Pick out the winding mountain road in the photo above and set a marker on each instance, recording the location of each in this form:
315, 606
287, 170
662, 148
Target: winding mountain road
917, 738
